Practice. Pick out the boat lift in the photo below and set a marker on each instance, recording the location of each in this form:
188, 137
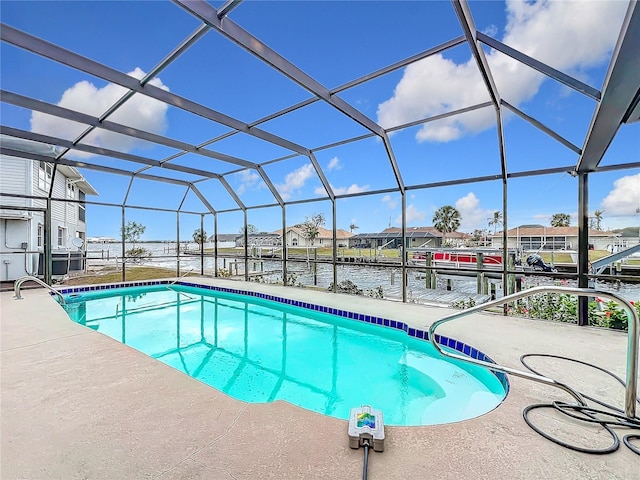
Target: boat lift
599, 265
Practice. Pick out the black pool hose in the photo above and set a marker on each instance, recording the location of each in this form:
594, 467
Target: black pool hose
608, 416
366, 459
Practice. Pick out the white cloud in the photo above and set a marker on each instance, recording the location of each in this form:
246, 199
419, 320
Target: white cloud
472, 215
542, 216
570, 36
249, 179
295, 180
413, 215
140, 112
624, 198
390, 202
354, 188
334, 164
491, 30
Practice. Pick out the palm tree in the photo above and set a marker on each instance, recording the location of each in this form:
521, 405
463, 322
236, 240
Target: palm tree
445, 220
353, 227
496, 220
199, 236
560, 220
597, 215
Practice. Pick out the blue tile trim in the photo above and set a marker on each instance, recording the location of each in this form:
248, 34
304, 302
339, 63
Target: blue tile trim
412, 332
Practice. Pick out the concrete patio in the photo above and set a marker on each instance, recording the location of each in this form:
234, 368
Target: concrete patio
79, 405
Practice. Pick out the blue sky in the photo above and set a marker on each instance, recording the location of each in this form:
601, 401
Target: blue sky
333, 42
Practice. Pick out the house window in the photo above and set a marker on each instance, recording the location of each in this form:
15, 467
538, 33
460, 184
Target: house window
45, 172
71, 191
40, 234
294, 242
62, 236
531, 243
555, 243
82, 208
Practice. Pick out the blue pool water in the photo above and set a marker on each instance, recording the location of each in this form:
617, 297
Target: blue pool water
260, 351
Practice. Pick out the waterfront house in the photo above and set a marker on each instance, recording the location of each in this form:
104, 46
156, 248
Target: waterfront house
296, 237
262, 239
539, 237
417, 237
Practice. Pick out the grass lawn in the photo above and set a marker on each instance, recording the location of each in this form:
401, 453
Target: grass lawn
134, 273
561, 257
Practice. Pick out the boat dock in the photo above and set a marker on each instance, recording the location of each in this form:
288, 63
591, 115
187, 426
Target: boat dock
435, 297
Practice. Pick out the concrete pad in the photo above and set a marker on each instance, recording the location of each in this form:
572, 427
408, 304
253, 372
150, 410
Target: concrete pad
77, 404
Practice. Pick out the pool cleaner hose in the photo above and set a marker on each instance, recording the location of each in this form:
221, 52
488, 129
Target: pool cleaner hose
607, 416
366, 459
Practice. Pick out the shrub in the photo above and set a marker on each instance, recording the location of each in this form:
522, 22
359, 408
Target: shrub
564, 308
464, 303
347, 286
137, 254
223, 272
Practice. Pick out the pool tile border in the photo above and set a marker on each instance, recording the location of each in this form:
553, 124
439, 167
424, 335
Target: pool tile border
451, 343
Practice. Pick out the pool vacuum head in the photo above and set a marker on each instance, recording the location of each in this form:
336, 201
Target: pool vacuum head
366, 427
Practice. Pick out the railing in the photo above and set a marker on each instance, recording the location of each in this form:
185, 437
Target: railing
632, 342
181, 277
29, 278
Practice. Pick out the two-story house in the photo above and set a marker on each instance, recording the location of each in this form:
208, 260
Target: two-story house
24, 187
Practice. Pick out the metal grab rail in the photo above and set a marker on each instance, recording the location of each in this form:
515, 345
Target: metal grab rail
181, 277
632, 342
28, 278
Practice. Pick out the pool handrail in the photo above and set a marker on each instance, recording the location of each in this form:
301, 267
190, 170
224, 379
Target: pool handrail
632, 340
181, 277
30, 278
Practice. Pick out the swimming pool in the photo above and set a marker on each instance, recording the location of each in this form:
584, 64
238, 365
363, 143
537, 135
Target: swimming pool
259, 350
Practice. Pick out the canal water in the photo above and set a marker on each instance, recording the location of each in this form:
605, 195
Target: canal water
366, 278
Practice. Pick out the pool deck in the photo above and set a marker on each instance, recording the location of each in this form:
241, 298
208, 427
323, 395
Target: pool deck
79, 405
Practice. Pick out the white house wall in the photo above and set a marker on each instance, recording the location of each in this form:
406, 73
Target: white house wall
15, 179
20, 228
18, 246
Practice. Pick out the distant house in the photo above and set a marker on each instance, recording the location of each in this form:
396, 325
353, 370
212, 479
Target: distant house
295, 237
416, 237
22, 230
539, 237
225, 240
626, 238
102, 240
262, 239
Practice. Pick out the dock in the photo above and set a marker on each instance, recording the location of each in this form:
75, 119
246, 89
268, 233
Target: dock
438, 297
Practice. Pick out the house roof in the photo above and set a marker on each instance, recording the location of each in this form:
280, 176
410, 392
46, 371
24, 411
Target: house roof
224, 237
50, 151
78, 179
425, 231
322, 232
540, 231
